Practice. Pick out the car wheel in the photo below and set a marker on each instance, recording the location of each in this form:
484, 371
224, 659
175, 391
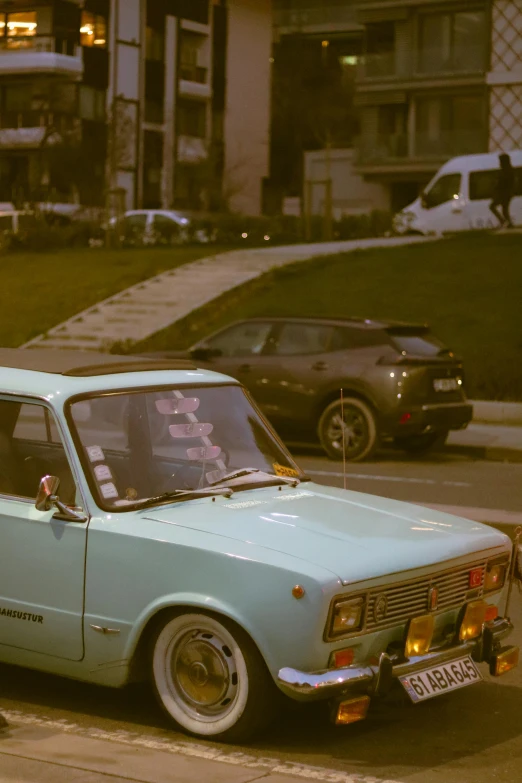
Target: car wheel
210, 678
421, 444
360, 430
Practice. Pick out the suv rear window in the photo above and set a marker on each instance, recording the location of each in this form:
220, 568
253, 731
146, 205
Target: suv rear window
417, 343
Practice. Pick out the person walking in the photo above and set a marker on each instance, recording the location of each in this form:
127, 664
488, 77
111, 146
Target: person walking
504, 191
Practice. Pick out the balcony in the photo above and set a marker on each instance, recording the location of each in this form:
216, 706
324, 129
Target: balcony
423, 65
422, 152
40, 54
334, 18
33, 129
193, 81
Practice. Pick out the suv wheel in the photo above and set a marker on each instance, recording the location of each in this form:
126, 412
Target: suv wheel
360, 430
421, 444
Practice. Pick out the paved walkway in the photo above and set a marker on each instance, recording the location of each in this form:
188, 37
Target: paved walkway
153, 305
34, 750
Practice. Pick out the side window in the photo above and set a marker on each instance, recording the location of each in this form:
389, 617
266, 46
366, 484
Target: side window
443, 190
246, 339
134, 225
482, 184
350, 338
165, 227
301, 339
31, 448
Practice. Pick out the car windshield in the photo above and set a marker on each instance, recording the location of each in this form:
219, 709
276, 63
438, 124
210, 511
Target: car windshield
140, 445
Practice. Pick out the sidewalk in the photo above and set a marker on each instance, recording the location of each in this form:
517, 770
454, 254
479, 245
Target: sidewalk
41, 751
146, 308
495, 442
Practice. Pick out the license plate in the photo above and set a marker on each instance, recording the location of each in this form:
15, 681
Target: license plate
440, 679
445, 384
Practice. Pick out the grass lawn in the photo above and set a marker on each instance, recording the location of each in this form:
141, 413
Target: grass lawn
38, 290
469, 288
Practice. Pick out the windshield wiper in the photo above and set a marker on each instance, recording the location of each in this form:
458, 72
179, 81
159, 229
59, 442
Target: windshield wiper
234, 474
179, 494
271, 477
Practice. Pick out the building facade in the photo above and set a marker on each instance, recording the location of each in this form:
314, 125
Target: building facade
435, 79
159, 100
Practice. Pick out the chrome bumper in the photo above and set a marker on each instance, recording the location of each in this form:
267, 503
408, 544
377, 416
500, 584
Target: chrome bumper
376, 680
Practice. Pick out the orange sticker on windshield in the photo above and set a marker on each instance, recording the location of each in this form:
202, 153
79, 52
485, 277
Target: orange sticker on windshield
280, 470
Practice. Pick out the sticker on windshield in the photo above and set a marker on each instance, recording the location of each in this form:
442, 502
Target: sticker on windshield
103, 473
109, 491
95, 453
281, 470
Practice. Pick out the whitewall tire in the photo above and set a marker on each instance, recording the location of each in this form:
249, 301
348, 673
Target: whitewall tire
210, 678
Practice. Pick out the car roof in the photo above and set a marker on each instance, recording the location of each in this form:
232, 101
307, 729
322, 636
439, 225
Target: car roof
83, 363
482, 161
58, 374
354, 322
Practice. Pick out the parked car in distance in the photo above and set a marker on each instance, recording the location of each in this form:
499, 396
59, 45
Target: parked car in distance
153, 528
160, 227
459, 195
400, 384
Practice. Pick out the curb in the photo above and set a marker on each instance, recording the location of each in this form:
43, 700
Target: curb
489, 453
506, 413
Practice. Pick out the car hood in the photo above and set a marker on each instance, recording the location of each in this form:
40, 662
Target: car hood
353, 535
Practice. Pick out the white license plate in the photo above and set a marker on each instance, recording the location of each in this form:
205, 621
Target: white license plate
440, 679
445, 384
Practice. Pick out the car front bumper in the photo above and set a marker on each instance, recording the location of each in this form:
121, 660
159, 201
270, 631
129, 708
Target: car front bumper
377, 679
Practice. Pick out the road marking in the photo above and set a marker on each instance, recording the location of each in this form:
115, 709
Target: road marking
269, 765
397, 479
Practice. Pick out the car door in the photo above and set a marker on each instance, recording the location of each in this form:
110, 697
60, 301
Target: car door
444, 206
297, 365
42, 557
240, 351
165, 230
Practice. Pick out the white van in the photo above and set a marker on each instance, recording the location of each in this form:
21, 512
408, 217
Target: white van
459, 195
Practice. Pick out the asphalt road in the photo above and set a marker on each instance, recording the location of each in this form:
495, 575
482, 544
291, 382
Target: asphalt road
469, 735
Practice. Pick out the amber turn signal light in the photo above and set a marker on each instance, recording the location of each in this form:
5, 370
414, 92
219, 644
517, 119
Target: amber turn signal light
504, 661
352, 710
420, 634
473, 620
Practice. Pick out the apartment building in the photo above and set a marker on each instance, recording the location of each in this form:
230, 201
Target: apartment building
434, 79
438, 78
164, 101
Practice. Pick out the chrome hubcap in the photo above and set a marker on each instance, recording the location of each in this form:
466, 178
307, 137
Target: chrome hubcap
203, 672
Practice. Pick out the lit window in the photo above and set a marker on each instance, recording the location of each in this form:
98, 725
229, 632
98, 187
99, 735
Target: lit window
20, 29
93, 30
348, 60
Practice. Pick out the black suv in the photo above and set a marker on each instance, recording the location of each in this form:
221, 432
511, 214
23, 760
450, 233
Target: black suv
399, 383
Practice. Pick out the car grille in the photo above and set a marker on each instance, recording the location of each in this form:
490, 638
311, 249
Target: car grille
394, 605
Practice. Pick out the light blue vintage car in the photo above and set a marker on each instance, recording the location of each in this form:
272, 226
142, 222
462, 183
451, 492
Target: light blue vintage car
153, 526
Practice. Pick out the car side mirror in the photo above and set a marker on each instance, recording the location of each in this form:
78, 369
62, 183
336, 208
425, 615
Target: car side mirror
205, 354
47, 498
